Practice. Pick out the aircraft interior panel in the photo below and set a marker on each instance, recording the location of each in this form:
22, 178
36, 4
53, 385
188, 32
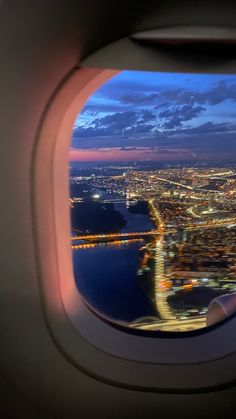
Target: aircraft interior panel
62, 357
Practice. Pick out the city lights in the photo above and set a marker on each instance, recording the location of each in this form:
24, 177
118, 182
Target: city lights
153, 198
185, 241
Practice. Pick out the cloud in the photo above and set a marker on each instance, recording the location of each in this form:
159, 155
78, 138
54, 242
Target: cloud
210, 127
139, 98
206, 139
221, 92
131, 116
175, 116
117, 124
136, 122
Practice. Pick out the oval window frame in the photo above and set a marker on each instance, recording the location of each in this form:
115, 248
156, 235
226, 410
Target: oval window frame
84, 338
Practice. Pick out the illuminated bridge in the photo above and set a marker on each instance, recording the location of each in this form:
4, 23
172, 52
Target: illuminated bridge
108, 243
114, 235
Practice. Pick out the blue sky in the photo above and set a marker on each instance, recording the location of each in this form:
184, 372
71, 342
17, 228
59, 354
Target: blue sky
161, 114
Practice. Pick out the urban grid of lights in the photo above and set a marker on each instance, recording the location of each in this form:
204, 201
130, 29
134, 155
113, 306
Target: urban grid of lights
190, 209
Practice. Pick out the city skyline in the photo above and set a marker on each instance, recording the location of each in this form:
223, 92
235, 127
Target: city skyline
146, 116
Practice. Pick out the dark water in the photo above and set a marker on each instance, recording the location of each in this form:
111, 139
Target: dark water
107, 278
135, 222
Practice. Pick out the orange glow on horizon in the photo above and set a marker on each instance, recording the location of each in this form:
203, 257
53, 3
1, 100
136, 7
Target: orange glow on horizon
142, 154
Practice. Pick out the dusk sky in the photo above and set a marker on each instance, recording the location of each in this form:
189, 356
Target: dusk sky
158, 116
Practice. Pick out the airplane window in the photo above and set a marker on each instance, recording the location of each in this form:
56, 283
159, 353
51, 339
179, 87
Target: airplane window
152, 168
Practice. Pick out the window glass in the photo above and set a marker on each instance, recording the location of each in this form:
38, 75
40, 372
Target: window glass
153, 199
